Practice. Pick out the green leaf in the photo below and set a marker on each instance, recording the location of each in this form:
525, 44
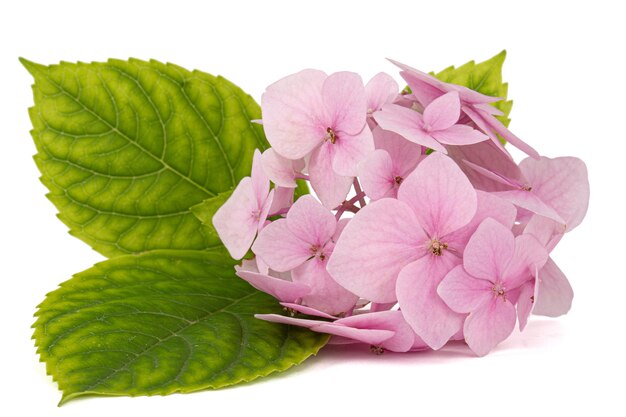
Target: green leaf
127, 147
163, 322
486, 78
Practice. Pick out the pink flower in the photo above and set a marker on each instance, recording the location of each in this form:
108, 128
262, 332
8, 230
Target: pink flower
243, 215
382, 172
278, 285
380, 90
302, 243
401, 249
310, 113
495, 265
435, 127
475, 105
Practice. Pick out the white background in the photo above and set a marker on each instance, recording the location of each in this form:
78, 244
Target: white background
566, 67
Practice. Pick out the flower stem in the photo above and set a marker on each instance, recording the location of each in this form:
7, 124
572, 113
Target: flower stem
359, 192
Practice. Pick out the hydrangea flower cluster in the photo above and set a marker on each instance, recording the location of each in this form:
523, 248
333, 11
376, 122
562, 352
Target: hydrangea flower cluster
425, 230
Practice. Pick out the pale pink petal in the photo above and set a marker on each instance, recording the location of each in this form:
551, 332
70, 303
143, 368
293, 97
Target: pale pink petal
547, 231
330, 187
488, 156
525, 303
420, 304
325, 295
562, 184
510, 183
378, 242
373, 337
459, 135
479, 121
309, 221
489, 325
443, 112
529, 255
419, 345
462, 292
350, 150
345, 103
402, 340
248, 265
408, 124
497, 126
276, 287
236, 221
531, 201
278, 169
404, 155
381, 89
282, 200
489, 250
488, 206
292, 108
310, 311
440, 195
369, 336
265, 210
554, 292
277, 318
374, 307
260, 181
341, 224
424, 91
376, 175
279, 248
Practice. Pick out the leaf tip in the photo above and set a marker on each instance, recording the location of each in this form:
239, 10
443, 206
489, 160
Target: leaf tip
31, 67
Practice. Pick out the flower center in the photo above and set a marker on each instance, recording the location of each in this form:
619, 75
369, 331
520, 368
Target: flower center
317, 251
398, 179
436, 247
330, 136
499, 291
526, 188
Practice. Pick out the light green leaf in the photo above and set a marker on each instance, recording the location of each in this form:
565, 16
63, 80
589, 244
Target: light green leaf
486, 78
163, 322
127, 147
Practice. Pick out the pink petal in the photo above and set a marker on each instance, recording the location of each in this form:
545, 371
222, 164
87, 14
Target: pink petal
489, 250
525, 303
403, 337
497, 126
462, 292
494, 176
408, 124
488, 206
378, 242
330, 187
345, 103
459, 135
276, 287
425, 89
381, 89
373, 337
404, 155
421, 306
545, 230
325, 295
376, 175
443, 112
529, 255
279, 170
489, 325
487, 156
282, 199
562, 184
440, 195
554, 292
265, 210
308, 310
292, 108
479, 121
350, 150
309, 221
236, 222
531, 201
260, 181
278, 247
277, 318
